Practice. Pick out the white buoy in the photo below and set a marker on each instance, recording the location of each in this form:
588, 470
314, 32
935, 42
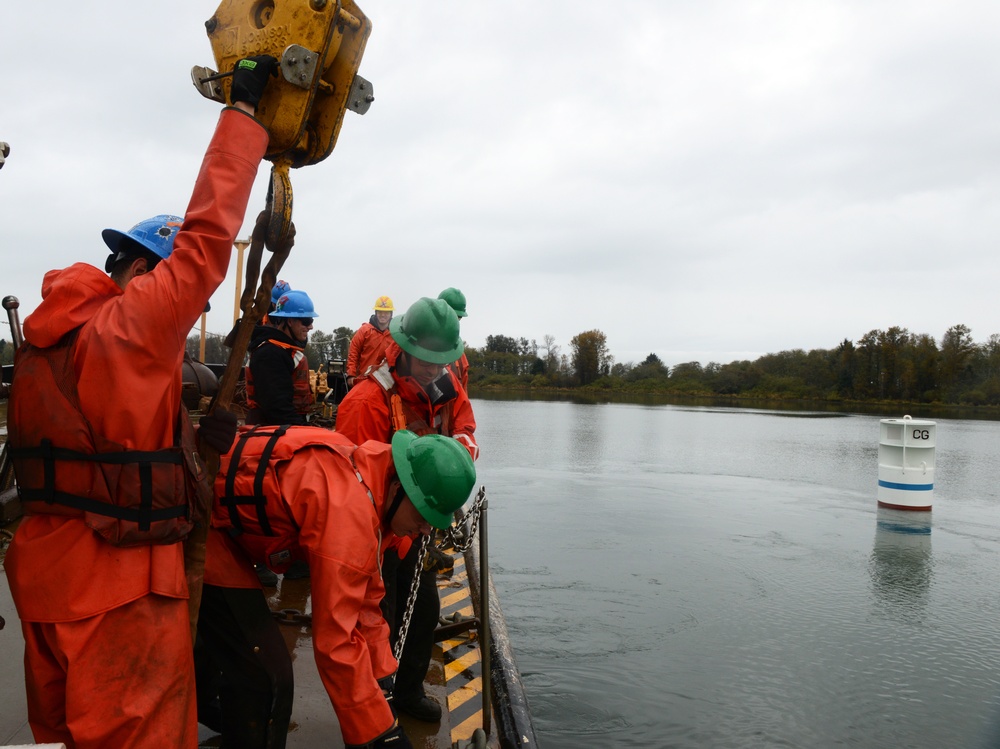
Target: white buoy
906, 464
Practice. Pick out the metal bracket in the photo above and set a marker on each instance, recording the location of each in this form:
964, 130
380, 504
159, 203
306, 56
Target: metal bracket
455, 628
362, 95
298, 65
206, 81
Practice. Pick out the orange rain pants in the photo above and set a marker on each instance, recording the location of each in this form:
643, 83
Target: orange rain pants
82, 669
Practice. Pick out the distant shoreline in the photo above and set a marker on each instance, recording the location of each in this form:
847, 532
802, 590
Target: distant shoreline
887, 409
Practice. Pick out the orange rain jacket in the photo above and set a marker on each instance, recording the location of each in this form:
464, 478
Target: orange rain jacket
365, 412
367, 348
461, 370
128, 358
323, 499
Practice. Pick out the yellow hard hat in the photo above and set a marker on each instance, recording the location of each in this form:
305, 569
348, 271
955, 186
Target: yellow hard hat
383, 304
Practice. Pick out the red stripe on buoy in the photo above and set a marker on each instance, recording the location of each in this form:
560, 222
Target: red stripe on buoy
902, 507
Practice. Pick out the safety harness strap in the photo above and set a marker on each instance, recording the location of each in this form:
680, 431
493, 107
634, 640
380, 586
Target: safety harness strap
231, 501
144, 515
49, 454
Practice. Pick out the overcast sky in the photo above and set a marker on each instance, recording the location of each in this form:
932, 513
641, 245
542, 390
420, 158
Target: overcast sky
707, 181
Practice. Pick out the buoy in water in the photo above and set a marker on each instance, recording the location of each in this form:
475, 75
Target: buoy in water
906, 464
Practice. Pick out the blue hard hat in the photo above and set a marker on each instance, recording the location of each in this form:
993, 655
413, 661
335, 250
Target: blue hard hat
293, 304
154, 234
282, 287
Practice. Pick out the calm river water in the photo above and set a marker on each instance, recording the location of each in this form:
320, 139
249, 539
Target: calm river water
703, 577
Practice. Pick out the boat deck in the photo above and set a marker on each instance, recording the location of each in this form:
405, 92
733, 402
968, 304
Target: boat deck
454, 679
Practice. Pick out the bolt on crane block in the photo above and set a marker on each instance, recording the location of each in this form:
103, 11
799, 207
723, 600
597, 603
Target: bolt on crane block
319, 45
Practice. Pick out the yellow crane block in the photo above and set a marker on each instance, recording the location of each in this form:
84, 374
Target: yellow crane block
319, 45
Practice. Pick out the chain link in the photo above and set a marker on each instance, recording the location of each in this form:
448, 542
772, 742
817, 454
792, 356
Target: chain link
411, 600
6, 537
456, 535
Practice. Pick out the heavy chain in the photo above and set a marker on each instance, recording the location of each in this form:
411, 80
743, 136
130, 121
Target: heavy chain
6, 537
411, 599
456, 535
456, 538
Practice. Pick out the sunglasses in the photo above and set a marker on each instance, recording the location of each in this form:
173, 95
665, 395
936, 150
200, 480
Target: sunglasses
307, 321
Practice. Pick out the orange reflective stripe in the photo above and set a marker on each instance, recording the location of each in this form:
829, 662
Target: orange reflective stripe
398, 417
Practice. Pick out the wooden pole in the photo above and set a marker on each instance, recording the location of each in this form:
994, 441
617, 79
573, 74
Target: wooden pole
201, 350
241, 245
257, 305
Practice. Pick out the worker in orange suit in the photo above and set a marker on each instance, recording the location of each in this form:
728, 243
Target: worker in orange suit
425, 339
291, 493
370, 342
104, 461
456, 300
413, 389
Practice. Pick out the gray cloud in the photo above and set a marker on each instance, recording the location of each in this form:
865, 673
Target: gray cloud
707, 181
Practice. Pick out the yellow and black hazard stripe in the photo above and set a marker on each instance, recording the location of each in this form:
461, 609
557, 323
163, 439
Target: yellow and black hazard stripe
463, 674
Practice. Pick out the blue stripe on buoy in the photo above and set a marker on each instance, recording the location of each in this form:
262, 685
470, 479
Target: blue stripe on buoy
906, 487
923, 530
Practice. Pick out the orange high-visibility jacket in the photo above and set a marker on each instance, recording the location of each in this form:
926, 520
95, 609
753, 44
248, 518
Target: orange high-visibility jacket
365, 413
367, 349
128, 358
461, 370
282, 491
76, 594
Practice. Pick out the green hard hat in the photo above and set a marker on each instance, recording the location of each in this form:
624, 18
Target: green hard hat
428, 330
436, 472
455, 299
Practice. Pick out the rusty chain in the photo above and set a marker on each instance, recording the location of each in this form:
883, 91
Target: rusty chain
452, 536
411, 599
6, 537
455, 534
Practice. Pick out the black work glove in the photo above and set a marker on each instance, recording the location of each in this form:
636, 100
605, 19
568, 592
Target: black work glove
218, 430
250, 78
394, 738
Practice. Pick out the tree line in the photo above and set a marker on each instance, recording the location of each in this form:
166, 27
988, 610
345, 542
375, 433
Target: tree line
502, 356
884, 365
322, 347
